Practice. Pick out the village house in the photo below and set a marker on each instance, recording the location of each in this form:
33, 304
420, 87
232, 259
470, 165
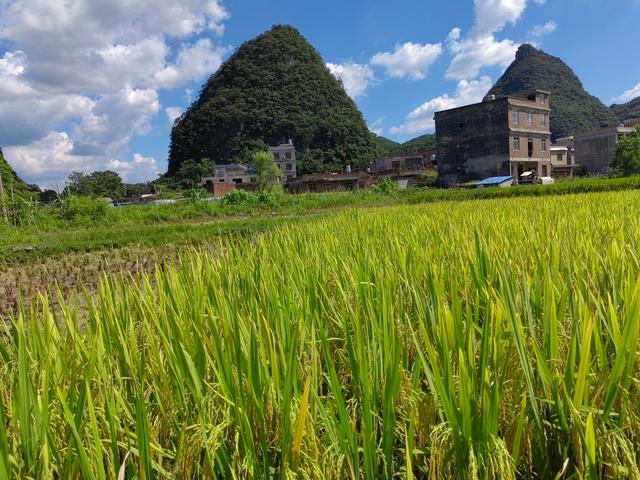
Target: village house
596, 150
405, 163
285, 157
507, 136
563, 161
330, 182
227, 177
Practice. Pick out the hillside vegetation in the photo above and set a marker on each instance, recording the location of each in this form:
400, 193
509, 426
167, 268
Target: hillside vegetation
423, 142
573, 109
627, 111
273, 88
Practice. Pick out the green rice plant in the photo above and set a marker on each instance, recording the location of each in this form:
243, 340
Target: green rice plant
451, 340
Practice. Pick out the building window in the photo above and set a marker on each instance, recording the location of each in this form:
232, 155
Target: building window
542, 98
237, 180
287, 155
515, 116
543, 143
288, 166
516, 143
543, 119
395, 164
544, 170
529, 118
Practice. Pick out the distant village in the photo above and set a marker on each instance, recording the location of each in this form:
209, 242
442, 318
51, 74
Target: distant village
499, 142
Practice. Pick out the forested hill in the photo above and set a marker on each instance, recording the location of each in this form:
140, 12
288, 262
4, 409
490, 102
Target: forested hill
273, 88
423, 142
573, 109
626, 111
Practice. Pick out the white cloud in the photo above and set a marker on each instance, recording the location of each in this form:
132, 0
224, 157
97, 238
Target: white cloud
472, 54
480, 48
493, 15
408, 60
82, 77
421, 120
140, 169
376, 126
113, 120
25, 119
356, 78
194, 61
50, 160
629, 95
540, 30
101, 47
172, 114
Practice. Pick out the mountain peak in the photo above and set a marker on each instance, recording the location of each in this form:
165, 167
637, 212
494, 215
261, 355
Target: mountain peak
525, 50
275, 86
574, 110
626, 111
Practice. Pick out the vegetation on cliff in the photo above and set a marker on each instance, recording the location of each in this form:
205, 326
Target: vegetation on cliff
274, 88
574, 110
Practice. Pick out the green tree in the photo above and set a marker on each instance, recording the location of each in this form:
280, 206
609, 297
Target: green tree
267, 171
627, 159
191, 172
97, 184
274, 88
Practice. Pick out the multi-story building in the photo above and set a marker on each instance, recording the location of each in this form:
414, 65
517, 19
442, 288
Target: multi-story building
285, 157
227, 177
507, 136
563, 159
243, 176
406, 162
595, 150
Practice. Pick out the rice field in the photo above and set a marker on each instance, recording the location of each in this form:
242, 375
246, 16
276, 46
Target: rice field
484, 339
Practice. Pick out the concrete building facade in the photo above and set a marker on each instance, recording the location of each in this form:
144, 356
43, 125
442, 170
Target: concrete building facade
507, 136
330, 182
595, 150
285, 157
406, 162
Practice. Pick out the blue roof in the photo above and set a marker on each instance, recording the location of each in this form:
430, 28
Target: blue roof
493, 181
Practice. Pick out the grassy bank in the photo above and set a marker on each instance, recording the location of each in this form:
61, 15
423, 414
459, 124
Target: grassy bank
90, 226
454, 340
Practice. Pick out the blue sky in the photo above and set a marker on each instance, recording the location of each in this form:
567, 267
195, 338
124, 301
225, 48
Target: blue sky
90, 85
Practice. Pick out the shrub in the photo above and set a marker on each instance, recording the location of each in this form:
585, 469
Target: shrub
239, 197
245, 199
387, 186
83, 210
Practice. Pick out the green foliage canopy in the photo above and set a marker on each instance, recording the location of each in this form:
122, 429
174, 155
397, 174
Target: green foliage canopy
626, 111
627, 159
97, 184
573, 109
276, 87
268, 173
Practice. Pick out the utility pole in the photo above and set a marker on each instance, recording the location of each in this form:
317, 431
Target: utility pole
5, 214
